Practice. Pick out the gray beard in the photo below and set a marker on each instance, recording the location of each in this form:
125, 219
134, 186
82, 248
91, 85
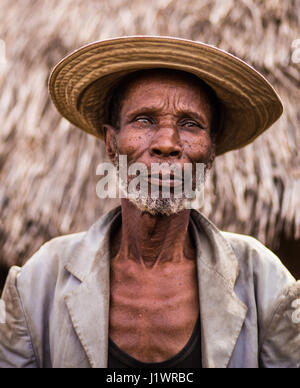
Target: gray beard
159, 206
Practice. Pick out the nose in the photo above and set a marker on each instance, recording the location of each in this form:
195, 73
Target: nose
166, 144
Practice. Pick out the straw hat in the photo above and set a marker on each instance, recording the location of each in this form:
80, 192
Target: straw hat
80, 85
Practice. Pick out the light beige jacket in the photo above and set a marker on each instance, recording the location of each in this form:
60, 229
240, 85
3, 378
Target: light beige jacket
57, 305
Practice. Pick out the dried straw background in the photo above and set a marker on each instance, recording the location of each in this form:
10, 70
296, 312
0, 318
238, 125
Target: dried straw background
48, 169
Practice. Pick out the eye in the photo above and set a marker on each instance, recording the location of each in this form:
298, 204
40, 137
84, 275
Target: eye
190, 124
143, 120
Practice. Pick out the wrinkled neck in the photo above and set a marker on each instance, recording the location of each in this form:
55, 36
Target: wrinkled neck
151, 240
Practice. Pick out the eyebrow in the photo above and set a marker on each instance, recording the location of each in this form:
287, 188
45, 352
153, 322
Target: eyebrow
142, 109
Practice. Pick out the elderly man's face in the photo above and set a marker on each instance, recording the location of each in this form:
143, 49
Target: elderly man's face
164, 117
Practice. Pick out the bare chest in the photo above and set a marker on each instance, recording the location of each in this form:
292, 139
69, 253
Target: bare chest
153, 314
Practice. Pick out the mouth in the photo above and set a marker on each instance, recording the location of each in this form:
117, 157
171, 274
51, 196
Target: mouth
164, 180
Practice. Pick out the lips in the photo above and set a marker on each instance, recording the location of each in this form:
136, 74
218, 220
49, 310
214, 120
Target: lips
164, 180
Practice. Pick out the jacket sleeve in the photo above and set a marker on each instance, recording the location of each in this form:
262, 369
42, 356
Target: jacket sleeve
281, 341
16, 350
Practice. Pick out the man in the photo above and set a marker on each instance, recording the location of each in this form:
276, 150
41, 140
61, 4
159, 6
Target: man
154, 283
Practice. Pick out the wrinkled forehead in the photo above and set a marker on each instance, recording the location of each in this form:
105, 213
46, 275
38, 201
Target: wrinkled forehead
163, 76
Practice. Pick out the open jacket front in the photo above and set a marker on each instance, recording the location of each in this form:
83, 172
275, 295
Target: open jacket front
57, 305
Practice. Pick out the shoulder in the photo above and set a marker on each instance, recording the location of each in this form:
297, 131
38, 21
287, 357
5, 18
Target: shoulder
257, 265
48, 268
262, 273
244, 244
45, 270
251, 253
54, 254
260, 269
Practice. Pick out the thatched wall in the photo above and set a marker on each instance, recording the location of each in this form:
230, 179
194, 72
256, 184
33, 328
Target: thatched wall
48, 169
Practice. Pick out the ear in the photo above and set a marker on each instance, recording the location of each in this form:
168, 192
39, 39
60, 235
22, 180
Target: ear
212, 156
109, 136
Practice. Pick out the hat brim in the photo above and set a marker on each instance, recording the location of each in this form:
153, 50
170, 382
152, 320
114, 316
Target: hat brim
80, 85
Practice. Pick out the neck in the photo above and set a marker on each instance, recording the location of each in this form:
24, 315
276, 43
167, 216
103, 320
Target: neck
151, 240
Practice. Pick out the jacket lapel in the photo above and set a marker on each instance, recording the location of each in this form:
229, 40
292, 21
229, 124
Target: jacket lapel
88, 307
222, 312
88, 303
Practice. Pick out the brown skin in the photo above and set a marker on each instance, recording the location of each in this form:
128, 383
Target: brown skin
154, 291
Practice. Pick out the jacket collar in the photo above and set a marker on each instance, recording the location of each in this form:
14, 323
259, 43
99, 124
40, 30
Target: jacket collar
222, 313
88, 304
